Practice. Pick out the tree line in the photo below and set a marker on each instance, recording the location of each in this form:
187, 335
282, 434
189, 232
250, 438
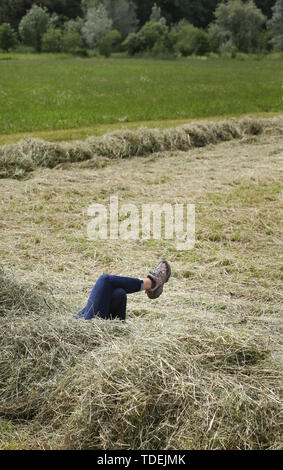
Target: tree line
197, 12
160, 28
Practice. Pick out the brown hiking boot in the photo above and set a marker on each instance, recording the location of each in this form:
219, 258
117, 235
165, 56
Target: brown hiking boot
153, 294
158, 276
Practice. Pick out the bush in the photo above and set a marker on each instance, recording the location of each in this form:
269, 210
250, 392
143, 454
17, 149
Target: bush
152, 37
68, 41
71, 42
165, 46
51, 40
265, 41
109, 43
104, 47
74, 25
8, 38
226, 47
115, 39
234, 51
161, 50
150, 33
216, 37
132, 44
191, 40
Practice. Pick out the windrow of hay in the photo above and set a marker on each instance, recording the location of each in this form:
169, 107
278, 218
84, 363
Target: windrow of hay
19, 159
152, 383
23, 298
35, 350
20, 298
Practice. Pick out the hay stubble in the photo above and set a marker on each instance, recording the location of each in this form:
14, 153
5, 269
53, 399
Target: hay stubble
199, 367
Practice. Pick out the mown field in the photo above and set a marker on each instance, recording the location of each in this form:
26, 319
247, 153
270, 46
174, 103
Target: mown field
198, 368
54, 92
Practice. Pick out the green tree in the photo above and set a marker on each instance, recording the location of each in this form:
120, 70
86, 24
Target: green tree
217, 36
121, 12
150, 33
51, 40
97, 24
33, 25
8, 37
64, 8
109, 42
197, 12
74, 25
12, 11
192, 40
150, 36
275, 25
143, 10
265, 6
123, 15
237, 24
156, 15
165, 45
132, 44
72, 42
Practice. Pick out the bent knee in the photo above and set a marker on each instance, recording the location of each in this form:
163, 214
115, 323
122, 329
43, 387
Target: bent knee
104, 277
119, 293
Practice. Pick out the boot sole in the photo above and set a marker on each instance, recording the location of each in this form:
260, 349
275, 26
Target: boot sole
155, 294
168, 269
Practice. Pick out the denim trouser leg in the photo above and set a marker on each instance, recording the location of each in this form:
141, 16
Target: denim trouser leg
103, 298
118, 304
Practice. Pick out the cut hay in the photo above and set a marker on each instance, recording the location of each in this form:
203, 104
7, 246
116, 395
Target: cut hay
149, 384
20, 298
17, 160
156, 391
198, 368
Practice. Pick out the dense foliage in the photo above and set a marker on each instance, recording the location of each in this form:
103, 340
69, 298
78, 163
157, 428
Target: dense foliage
7, 37
237, 24
12, 11
276, 25
151, 26
198, 12
33, 25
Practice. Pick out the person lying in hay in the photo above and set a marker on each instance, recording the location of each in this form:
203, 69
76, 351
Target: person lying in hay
108, 298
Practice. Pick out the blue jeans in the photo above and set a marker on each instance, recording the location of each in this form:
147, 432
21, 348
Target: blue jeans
108, 298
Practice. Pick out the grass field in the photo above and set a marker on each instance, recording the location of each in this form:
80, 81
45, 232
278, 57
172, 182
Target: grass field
199, 368
52, 92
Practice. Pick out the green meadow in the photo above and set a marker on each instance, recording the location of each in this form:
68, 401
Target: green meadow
51, 92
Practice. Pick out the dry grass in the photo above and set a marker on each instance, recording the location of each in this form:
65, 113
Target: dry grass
23, 157
199, 368
153, 383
